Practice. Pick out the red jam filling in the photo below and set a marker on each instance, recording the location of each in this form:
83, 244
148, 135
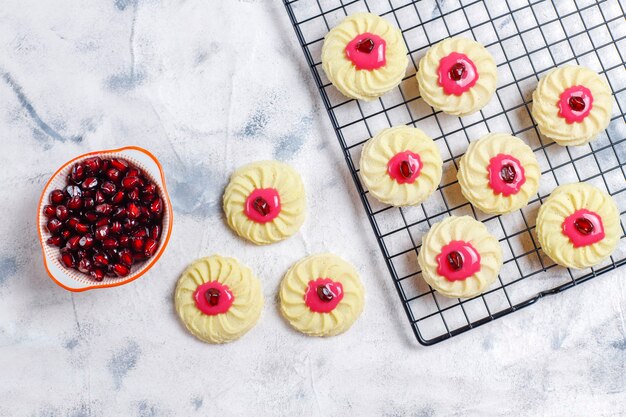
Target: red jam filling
323, 294
583, 228
575, 103
367, 51
506, 174
458, 260
213, 298
457, 73
262, 205
405, 167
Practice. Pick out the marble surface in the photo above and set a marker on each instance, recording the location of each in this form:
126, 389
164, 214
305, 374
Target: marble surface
208, 86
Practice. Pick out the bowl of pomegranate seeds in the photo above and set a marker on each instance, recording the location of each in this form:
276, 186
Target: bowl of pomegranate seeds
104, 219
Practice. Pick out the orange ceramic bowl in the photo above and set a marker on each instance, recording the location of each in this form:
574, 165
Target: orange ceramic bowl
74, 280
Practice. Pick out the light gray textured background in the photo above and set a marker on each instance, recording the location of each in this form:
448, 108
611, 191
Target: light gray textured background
208, 86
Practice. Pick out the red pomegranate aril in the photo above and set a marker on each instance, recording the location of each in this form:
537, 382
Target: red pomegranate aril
100, 259
118, 197
91, 216
73, 191
121, 270
72, 242
57, 197
133, 210
124, 241
584, 226
133, 195
54, 226
68, 259
81, 228
109, 243
155, 232
156, 207
49, 211
77, 175
99, 197
97, 274
120, 165
62, 213
104, 209
119, 213
140, 233
102, 222
133, 172
75, 203
114, 174
455, 260
365, 45
576, 103
129, 224
456, 71
116, 227
137, 243
81, 254
55, 240
150, 247
126, 257
93, 164
84, 265
90, 183
72, 222
130, 182
108, 188
89, 203
102, 232
149, 189
65, 234
86, 241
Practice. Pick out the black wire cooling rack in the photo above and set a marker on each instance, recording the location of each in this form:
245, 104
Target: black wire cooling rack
527, 38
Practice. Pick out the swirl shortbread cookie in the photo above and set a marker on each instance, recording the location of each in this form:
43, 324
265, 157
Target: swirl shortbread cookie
321, 295
218, 299
499, 173
459, 257
457, 76
571, 105
578, 226
364, 56
401, 166
265, 202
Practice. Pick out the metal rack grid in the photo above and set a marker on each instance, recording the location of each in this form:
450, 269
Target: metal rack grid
527, 38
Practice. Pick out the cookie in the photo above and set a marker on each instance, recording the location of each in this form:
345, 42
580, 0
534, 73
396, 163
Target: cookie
321, 295
218, 299
499, 173
457, 76
578, 226
265, 202
401, 166
571, 105
364, 56
459, 258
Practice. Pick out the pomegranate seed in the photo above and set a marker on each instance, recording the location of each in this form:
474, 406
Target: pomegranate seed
584, 226
120, 165
406, 169
55, 240
149, 189
89, 193
106, 163
150, 247
91, 216
130, 182
365, 46
72, 222
84, 265
133, 195
90, 183
81, 228
81, 254
156, 207
102, 232
75, 203
137, 244
147, 198
324, 293
116, 227
121, 270
508, 173
140, 233
104, 209
97, 274
576, 103
86, 241
99, 197
102, 222
49, 211
54, 226
124, 241
456, 71
62, 213
68, 259
133, 211
455, 260
77, 175
72, 243
126, 257
118, 197
73, 191
119, 213
260, 205
109, 243
114, 174
212, 296
108, 188
57, 197
155, 232
133, 172
65, 234
100, 259
129, 224
89, 203
93, 164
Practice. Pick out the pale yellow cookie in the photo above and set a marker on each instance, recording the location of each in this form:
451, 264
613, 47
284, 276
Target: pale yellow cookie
321, 295
218, 299
401, 166
578, 226
499, 173
364, 73
571, 105
265, 202
459, 257
457, 76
